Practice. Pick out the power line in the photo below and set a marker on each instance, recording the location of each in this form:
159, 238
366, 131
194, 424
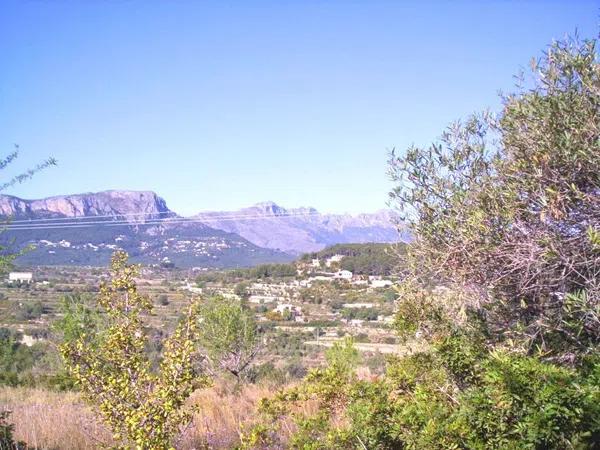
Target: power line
101, 216
92, 219
167, 221
50, 219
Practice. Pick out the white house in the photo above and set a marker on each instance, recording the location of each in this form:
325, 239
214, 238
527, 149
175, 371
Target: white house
343, 275
22, 277
315, 262
357, 305
381, 283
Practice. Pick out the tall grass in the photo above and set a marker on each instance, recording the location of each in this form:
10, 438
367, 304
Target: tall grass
60, 420
52, 420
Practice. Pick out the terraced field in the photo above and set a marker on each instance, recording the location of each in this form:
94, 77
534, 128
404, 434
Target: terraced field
16, 300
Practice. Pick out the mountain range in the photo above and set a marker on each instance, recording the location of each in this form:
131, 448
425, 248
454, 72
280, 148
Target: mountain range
84, 229
302, 230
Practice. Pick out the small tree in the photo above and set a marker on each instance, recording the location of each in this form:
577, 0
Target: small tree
142, 408
229, 335
343, 356
7, 255
242, 290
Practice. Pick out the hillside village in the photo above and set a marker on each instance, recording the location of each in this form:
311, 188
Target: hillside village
302, 306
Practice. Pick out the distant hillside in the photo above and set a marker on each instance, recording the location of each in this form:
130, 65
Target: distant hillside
303, 230
363, 259
86, 229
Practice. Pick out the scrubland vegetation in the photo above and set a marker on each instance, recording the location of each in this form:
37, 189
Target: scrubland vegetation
496, 305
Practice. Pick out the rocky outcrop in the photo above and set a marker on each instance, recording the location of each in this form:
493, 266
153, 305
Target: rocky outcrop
135, 206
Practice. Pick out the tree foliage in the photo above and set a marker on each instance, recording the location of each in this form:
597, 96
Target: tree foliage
228, 335
17, 359
8, 254
145, 410
507, 207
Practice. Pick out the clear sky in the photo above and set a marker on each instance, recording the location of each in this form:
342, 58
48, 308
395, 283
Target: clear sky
219, 105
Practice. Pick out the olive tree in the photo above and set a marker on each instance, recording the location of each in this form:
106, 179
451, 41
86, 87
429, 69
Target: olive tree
500, 291
507, 207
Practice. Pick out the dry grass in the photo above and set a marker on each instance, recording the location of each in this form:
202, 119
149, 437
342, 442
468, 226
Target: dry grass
224, 413
52, 420
57, 420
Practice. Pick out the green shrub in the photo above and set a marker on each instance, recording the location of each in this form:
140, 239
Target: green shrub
28, 311
144, 409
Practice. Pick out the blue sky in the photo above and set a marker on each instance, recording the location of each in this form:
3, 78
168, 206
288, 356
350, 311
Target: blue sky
219, 105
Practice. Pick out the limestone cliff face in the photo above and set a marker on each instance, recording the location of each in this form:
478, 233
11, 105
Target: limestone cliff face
136, 206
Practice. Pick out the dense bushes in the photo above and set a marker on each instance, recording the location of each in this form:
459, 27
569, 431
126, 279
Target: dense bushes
28, 311
455, 396
362, 259
17, 359
360, 313
262, 271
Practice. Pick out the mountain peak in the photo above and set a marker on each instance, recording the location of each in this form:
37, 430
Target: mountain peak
270, 208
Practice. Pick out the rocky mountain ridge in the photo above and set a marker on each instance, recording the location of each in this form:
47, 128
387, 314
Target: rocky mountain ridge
86, 228
299, 230
136, 206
